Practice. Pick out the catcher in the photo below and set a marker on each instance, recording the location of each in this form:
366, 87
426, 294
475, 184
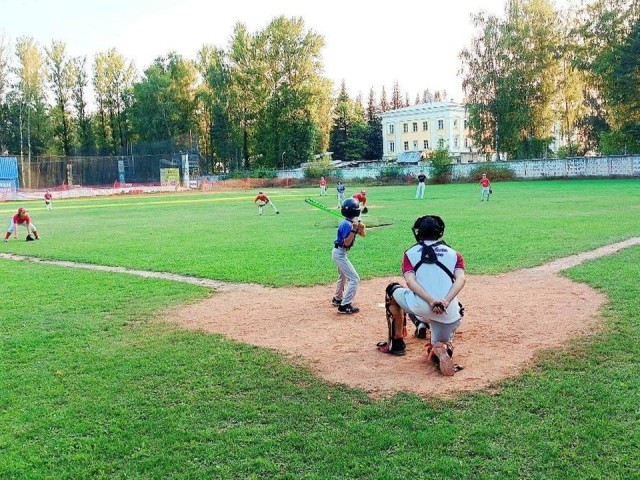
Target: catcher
22, 218
434, 273
261, 200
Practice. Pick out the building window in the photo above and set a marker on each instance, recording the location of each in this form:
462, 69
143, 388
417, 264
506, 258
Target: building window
391, 128
456, 142
466, 124
466, 143
425, 144
440, 124
415, 144
425, 126
405, 127
441, 143
415, 126
392, 146
455, 124
406, 146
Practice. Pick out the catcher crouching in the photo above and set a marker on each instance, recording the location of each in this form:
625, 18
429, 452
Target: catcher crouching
434, 273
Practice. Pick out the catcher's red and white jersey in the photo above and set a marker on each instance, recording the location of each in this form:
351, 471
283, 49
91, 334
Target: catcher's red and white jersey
433, 279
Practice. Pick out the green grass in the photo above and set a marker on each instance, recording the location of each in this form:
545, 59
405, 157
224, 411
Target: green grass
220, 235
90, 387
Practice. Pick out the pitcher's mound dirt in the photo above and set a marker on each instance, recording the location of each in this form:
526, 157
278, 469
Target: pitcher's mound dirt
508, 319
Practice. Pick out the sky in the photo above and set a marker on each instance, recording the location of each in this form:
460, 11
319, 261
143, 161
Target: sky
367, 44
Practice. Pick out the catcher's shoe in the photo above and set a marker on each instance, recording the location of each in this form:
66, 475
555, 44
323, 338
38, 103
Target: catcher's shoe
336, 302
421, 330
395, 347
348, 309
440, 353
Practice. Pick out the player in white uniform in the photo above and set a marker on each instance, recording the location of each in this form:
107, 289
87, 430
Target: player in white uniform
434, 273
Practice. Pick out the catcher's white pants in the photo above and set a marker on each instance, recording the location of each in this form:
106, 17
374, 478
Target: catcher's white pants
485, 191
348, 278
30, 228
420, 190
443, 326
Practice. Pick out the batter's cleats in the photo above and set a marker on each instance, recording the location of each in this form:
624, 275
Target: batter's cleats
336, 302
421, 330
348, 309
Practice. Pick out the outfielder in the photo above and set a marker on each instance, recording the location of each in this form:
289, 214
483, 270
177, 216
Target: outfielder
261, 200
434, 273
422, 182
48, 200
21, 218
485, 185
340, 189
348, 278
323, 186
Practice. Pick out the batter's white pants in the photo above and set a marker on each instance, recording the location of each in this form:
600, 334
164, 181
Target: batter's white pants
348, 278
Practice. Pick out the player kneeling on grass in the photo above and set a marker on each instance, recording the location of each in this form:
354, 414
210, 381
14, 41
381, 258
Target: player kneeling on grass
348, 278
434, 273
21, 218
261, 200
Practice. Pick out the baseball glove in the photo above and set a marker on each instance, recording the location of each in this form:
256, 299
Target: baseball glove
491, 190
30, 238
365, 210
361, 229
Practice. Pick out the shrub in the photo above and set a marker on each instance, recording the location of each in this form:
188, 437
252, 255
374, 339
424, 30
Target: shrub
320, 168
493, 171
440, 166
391, 172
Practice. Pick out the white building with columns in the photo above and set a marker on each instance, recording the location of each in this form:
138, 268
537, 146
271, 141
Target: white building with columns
424, 128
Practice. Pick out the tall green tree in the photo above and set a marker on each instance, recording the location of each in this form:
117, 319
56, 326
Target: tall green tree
60, 76
5, 130
79, 99
374, 129
113, 78
349, 133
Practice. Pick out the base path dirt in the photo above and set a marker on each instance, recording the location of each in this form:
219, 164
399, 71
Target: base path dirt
508, 318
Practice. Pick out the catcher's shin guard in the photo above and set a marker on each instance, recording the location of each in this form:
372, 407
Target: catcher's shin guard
441, 354
396, 323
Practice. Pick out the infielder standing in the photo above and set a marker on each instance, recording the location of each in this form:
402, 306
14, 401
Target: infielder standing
323, 186
21, 218
261, 200
434, 273
348, 278
340, 188
361, 197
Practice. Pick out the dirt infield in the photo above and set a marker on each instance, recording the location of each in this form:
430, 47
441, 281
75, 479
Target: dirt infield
508, 319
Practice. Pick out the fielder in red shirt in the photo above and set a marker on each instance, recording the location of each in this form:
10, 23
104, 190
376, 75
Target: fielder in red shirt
362, 200
261, 200
323, 186
48, 200
21, 218
485, 185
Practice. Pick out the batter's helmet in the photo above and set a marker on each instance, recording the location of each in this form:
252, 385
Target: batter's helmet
350, 208
429, 227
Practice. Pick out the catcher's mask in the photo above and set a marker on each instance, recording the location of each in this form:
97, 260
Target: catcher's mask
350, 208
429, 227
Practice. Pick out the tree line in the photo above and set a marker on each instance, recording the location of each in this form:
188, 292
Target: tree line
534, 74
539, 73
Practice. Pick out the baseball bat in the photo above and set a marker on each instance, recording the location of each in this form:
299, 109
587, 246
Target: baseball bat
313, 203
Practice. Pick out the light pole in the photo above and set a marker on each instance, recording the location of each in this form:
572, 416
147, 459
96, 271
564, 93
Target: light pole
283, 159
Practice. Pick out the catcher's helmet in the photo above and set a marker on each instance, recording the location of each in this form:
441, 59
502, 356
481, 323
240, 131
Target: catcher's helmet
429, 227
350, 208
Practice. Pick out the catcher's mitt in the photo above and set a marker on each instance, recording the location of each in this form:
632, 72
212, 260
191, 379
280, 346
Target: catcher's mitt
30, 238
365, 210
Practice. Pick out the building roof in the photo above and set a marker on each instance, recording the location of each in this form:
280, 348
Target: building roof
409, 157
424, 108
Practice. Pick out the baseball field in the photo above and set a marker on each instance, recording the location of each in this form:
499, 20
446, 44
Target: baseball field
128, 368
